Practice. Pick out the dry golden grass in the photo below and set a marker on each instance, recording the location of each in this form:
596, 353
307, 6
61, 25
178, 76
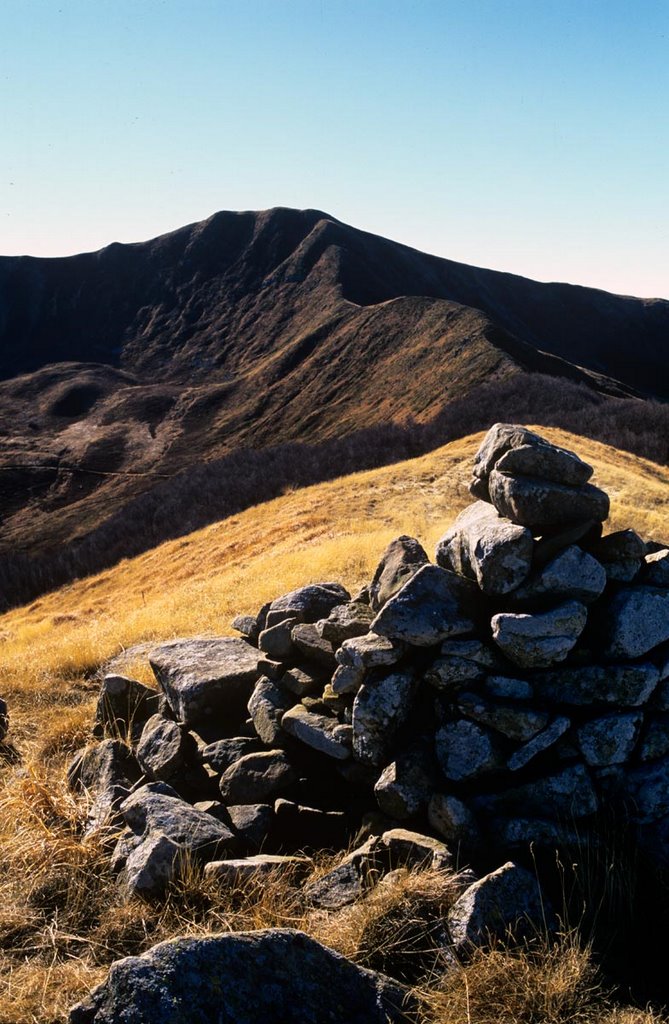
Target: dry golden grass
61, 918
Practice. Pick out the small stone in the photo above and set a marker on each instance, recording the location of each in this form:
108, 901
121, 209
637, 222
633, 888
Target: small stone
405, 786
271, 669
306, 604
347, 679
314, 647
655, 742
433, 605
164, 748
247, 625
345, 621
507, 688
484, 547
267, 706
574, 574
637, 620
276, 641
318, 731
453, 820
257, 867
221, 754
381, 705
540, 640
414, 850
255, 777
656, 569
547, 738
466, 751
252, 823
621, 553
517, 724
302, 682
399, 562
609, 740
357, 872
151, 866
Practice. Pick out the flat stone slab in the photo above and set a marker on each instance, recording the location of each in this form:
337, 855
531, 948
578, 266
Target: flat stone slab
625, 685
260, 865
432, 606
539, 504
519, 724
209, 677
544, 740
484, 547
152, 810
317, 731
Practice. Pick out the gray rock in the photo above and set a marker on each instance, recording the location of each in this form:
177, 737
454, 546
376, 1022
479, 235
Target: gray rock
243, 978
302, 682
267, 706
251, 822
107, 772
236, 871
539, 504
124, 705
381, 705
507, 902
313, 646
151, 866
466, 751
342, 886
247, 625
544, 740
610, 739
453, 820
306, 604
648, 788
255, 777
276, 641
573, 574
655, 742
221, 754
153, 810
399, 562
542, 639
621, 553
318, 731
516, 723
656, 569
164, 748
537, 457
563, 795
484, 547
347, 679
432, 606
414, 850
625, 685
637, 620
345, 621
271, 669
507, 688
206, 677
405, 786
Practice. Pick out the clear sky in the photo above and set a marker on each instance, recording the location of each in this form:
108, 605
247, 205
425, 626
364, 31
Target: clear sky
524, 135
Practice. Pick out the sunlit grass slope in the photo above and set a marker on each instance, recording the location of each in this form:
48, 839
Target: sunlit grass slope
335, 530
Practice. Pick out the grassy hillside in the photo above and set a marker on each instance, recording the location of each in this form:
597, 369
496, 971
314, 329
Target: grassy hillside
61, 920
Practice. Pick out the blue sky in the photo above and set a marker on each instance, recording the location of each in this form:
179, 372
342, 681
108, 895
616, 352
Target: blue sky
531, 137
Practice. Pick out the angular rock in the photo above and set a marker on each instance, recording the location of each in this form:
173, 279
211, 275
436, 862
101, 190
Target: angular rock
252, 823
164, 748
516, 723
433, 605
221, 754
276, 641
555, 540
107, 770
399, 562
536, 457
414, 850
255, 777
621, 554
153, 810
345, 621
540, 640
369, 651
561, 796
247, 625
358, 871
507, 902
656, 569
381, 705
544, 740
306, 604
317, 731
313, 646
466, 751
302, 682
124, 705
453, 820
573, 574
236, 871
267, 706
637, 620
484, 547
151, 866
405, 785
206, 677
610, 739
539, 504
271, 669
347, 679
243, 978
625, 685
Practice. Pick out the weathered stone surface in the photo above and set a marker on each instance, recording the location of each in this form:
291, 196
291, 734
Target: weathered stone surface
347, 679
236, 871
573, 574
255, 777
655, 571
563, 795
484, 547
626, 685
537, 457
539, 743
655, 742
313, 646
637, 620
164, 748
221, 754
251, 822
107, 770
345, 621
405, 785
461, 661
270, 668
414, 850
267, 706
516, 723
453, 820
153, 810
370, 651
151, 866
556, 539
540, 640
124, 705
302, 682
317, 731
306, 604
539, 503
507, 901
247, 625
621, 553
507, 688
358, 871
433, 605
609, 740
381, 705
648, 788
206, 677
276, 641
399, 562
243, 978
466, 751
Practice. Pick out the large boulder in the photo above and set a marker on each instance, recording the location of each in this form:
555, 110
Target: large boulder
520, 452
206, 678
400, 561
243, 978
487, 548
433, 605
541, 504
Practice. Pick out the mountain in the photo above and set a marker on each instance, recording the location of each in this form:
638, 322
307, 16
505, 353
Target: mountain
118, 369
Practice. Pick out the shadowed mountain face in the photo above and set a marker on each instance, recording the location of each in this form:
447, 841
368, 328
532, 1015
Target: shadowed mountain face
120, 368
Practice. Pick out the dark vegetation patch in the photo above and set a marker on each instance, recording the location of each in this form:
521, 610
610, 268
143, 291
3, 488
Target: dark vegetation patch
211, 491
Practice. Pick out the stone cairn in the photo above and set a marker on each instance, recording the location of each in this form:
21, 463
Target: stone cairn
497, 698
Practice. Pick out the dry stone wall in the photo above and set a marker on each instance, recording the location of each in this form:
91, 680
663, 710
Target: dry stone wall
499, 696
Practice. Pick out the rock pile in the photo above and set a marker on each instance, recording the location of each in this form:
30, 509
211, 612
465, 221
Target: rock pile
498, 697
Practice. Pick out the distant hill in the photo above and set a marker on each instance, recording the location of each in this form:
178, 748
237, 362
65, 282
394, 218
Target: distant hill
122, 368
